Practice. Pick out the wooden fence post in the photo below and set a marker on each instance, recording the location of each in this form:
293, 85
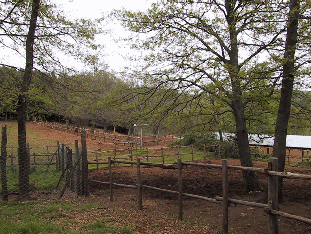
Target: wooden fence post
273, 197
204, 151
139, 186
78, 170
192, 153
162, 154
62, 159
180, 190
147, 155
131, 149
85, 169
5, 193
225, 202
58, 157
110, 179
96, 156
69, 167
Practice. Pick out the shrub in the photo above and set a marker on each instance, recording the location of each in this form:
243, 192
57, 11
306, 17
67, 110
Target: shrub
228, 149
196, 139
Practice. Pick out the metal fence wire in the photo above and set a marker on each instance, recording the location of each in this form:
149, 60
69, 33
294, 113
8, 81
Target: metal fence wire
50, 167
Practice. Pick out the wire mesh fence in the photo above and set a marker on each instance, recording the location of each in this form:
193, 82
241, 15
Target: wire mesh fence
50, 167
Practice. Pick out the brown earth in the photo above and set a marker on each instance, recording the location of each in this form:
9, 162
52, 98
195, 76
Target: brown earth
160, 211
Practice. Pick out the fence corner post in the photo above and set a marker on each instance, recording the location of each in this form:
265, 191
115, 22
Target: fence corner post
139, 186
110, 180
273, 197
225, 202
85, 169
180, 190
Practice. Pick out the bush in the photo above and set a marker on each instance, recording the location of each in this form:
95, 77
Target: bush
258, 155
196, 139
228, 149
305, 164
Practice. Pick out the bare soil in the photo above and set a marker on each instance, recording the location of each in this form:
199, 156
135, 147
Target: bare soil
160, 209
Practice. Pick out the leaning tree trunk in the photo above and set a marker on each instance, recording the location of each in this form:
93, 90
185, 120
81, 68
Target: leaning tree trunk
23, 157
279, 148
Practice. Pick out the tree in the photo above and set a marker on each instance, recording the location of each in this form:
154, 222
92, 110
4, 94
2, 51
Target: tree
45, 31
23, 157
279, 148
218, 42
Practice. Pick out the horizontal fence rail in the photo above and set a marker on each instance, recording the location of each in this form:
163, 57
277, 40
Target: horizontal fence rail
271, 208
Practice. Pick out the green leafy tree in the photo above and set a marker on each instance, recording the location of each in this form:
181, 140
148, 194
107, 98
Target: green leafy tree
196, 43
38, 30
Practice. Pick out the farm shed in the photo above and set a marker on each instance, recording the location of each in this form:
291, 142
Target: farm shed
292, 141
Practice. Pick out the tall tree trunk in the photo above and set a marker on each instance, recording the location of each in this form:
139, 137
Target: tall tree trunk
279, 149
23, 157
237, 105
250, 178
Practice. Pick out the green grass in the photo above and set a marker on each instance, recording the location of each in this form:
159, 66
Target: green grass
44, 217
43, 179
36, 139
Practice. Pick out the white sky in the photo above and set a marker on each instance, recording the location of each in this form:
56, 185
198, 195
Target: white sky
114, 52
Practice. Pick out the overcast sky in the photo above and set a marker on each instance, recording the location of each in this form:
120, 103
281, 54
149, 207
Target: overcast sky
114, 52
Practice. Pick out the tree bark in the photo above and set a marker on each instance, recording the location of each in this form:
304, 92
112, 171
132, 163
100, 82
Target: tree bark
237, 105
23, 157
279, 148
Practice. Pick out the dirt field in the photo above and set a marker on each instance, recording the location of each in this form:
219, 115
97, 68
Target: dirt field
160, 211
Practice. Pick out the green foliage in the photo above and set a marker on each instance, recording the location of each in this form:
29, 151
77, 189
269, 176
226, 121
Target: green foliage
228, 149
196, 139
259, 155
305, 164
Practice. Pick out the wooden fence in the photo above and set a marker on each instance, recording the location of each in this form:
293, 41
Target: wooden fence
271, 208
73, 166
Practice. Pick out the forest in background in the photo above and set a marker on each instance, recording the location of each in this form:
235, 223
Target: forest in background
100, 99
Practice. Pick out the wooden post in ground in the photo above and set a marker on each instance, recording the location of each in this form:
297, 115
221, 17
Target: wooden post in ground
131, 149
205, 151
147, 155
115, 152
96, 156
3, 158
273, 197
162, 154
192, 153
58, 157
78, 170
139, 186
225, 203
62, 158
180, 190
110, 179
69, 167
85, 169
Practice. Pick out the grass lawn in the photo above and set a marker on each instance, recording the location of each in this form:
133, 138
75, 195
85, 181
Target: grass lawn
54, 217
